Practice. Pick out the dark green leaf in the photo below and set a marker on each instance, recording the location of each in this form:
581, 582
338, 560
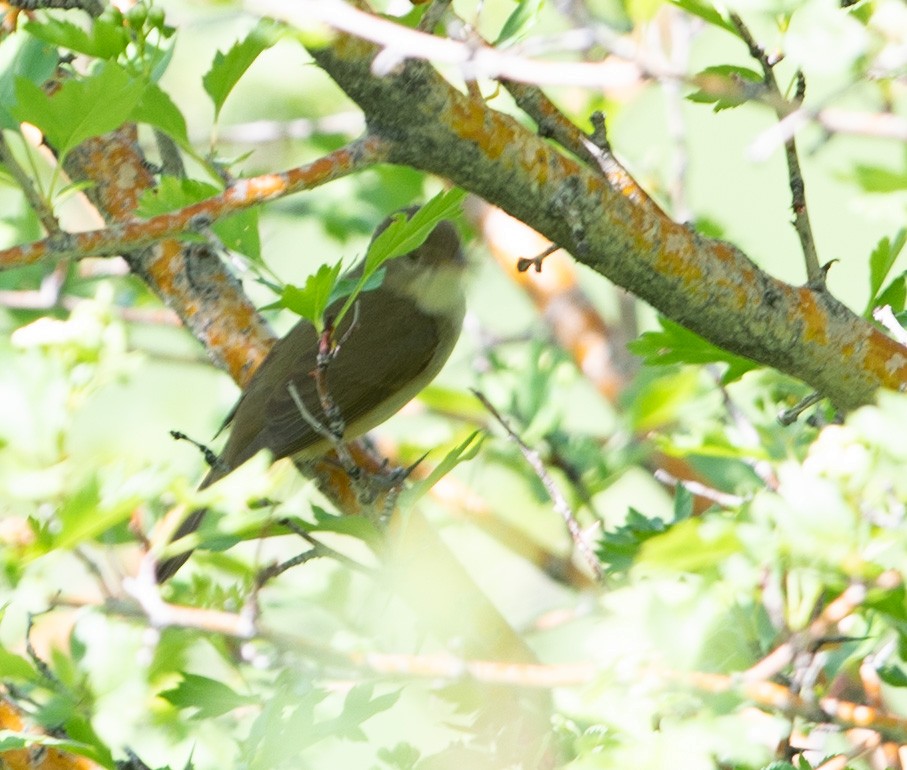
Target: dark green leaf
618, 548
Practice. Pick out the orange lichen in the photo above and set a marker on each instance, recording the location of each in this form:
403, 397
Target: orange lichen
814, 318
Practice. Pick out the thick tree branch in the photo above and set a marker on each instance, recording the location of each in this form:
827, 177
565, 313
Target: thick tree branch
707, 285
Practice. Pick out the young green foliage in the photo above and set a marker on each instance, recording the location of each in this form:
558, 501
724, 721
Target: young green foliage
676, 345
881, 261
227, 68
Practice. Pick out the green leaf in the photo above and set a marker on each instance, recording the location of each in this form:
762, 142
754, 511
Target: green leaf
708, 13
404, 235
22, 57
84, 515
618, 548
354, 526
725, 86
878, 179
675, 344
683, 503
209, 697
81, 108
461, 453
103, 40
893, 675
694, 545
228, 68
311, 300
520, 21
894, 295
10, 740
157, 109
359, 705
881, 261
14, 666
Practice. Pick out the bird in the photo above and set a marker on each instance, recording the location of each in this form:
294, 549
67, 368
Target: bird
393, 345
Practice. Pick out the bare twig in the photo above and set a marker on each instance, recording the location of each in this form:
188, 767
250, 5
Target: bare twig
242, 194
815, 277
36, 202
560, 502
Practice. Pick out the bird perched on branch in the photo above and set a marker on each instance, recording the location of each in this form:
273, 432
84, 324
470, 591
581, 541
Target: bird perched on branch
391, 347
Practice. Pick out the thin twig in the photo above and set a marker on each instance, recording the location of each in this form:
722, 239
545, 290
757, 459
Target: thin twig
560, 502
36, 201
814, 275
244, 193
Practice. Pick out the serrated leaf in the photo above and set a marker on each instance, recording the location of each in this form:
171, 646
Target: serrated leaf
80, 108
881, 260
404, 235
157, 109
675, 344
23, 57
103, 40
209, 697
523, 17
227, 68
725, 86
84, 516
617, 549
310, 301
361, 704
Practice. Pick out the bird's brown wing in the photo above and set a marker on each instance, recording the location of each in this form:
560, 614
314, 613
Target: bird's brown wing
366, 381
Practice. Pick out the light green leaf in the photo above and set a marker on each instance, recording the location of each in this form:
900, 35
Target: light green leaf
209, 697
461, 453
675, 344
157, 109
881, 261
81, 108
228, 68
311, 300
103, 40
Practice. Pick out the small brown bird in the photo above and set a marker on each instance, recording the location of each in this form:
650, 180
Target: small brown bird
393, 346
